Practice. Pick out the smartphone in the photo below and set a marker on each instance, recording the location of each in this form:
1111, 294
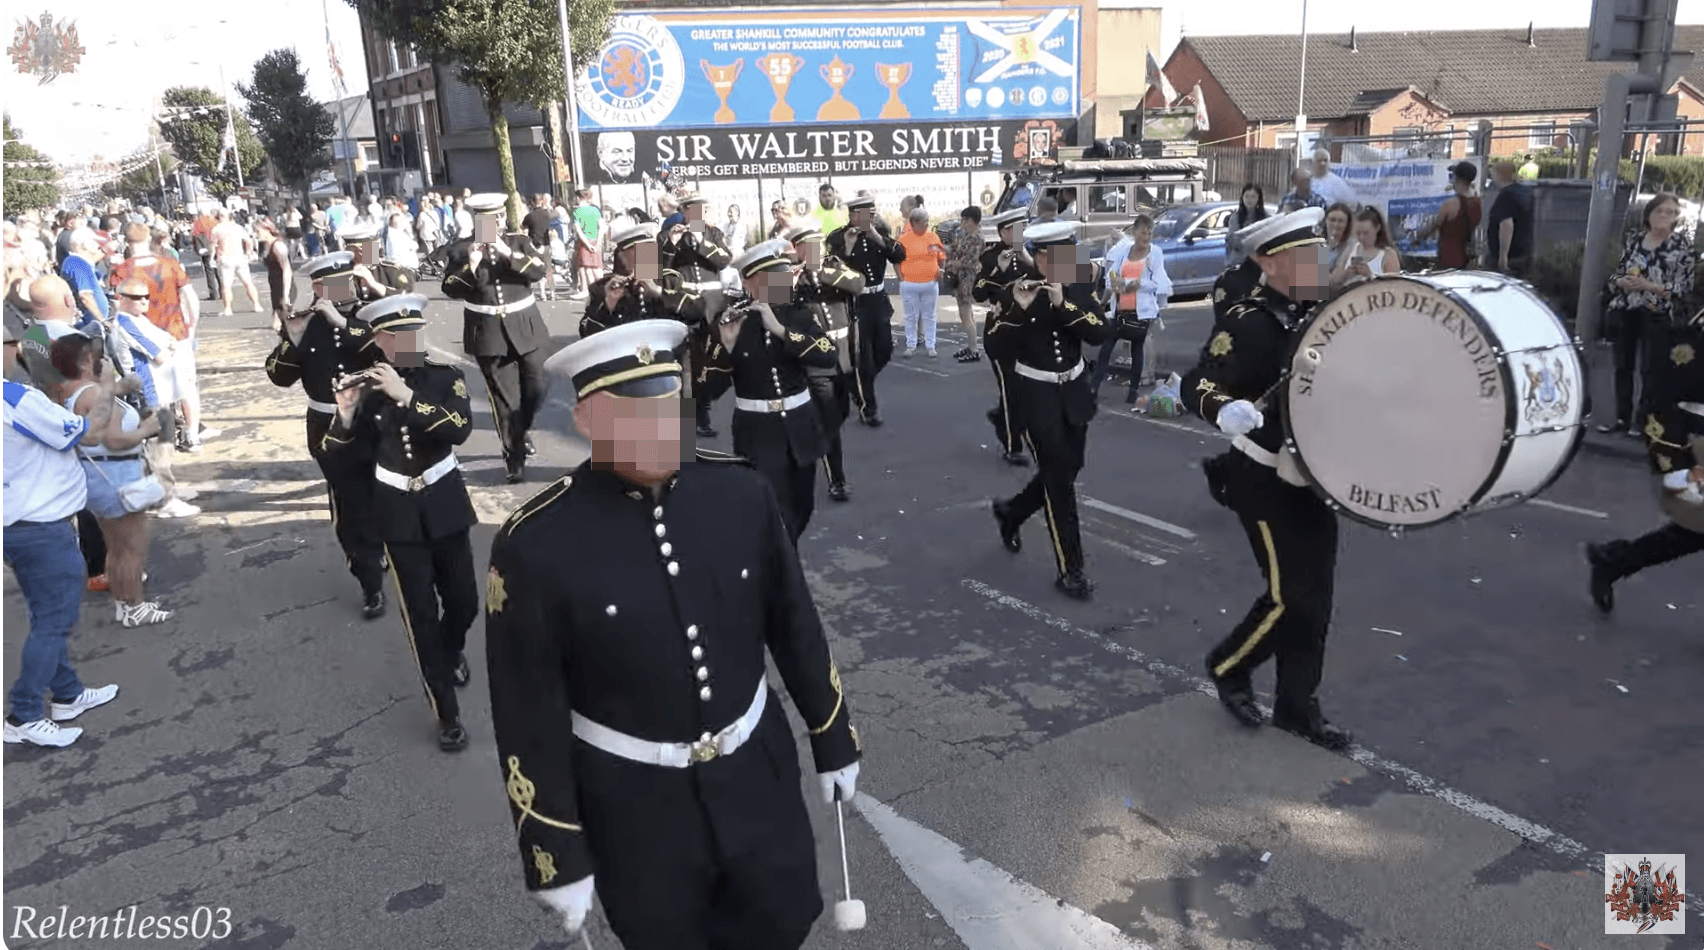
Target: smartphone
339, 289
485, 229
366, 252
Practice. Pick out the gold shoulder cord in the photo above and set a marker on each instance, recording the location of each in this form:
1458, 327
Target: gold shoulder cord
839, 699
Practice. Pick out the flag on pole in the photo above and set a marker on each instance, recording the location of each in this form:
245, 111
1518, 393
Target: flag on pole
1200, 109
1157, 79
336, 67
228, 145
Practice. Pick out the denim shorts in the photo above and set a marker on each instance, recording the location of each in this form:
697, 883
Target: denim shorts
104, 482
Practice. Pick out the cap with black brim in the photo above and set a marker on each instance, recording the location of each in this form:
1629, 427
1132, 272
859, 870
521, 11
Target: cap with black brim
633, 360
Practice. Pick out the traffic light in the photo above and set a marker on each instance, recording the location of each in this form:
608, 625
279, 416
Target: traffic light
393, 151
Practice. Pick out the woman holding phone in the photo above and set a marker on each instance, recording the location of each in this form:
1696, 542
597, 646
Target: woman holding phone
1372, 253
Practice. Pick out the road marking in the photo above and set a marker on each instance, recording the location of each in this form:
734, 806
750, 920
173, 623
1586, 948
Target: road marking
1514, 824
1589, 513
1142, 556
1139, 518
919, 369
987, 907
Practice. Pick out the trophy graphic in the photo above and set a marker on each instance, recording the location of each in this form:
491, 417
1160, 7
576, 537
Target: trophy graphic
780, 68
722, 80
893, 77
836, 74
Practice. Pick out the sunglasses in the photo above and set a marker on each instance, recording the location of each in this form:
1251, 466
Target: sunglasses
135, 296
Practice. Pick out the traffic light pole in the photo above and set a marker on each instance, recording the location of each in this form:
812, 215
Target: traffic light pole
577, 163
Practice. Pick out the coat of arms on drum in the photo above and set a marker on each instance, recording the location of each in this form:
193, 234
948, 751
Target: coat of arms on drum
1548, 395
45, 48
1647, 899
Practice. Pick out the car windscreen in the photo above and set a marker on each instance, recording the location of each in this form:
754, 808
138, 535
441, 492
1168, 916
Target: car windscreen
1170, 224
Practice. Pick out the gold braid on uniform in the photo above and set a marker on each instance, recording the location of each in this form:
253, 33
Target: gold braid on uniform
545, 864
532, 505
839, 699
521, 793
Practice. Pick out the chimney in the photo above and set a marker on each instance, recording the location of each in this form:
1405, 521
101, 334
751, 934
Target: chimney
1532, 41
1352, 47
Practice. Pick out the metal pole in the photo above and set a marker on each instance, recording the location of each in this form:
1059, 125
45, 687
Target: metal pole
1600, 220
1302, 86
577, 164
342, 116
231, 119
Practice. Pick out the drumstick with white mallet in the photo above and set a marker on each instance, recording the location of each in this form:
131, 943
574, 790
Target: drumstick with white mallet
1306, 361
848, 914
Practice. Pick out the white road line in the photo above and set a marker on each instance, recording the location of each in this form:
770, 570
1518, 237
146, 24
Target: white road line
1589, 513
1139, 518
1142, 556
1531, 831
919, 369
987, 907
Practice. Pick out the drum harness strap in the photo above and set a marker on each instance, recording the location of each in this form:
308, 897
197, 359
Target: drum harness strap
1268, 458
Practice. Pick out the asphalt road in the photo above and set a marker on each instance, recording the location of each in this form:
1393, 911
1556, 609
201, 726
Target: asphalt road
1040, 773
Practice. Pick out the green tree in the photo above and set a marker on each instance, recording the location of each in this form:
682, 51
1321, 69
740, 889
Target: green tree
194, 123
509, 50
295, 130
31, 184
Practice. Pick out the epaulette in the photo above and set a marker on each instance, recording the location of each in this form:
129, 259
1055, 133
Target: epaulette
1243, 308
723, 458
538, 502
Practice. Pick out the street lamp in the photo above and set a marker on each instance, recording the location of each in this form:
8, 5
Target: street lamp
1301, 87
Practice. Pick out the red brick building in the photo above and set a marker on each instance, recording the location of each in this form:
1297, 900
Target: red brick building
1529, 84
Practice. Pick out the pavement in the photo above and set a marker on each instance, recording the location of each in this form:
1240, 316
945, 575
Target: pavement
1040, 774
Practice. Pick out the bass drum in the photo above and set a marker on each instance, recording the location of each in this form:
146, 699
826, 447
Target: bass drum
1434, 396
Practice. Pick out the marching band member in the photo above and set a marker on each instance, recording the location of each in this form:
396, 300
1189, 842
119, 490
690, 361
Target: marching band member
413, 412
502, 328
698, 251
867, 249
1040, 330
1006, 261
827, 288
762, 348
636, 732
1674, 435
315, 347
1292, 531
638, 288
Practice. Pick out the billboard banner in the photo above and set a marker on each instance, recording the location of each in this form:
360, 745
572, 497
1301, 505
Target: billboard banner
1408, 191
816, 151
832, 66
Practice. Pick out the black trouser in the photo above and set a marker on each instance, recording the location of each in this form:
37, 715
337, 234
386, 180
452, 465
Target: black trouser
440, 599
1667, 543
832, 396
215, 283
1636, 336
92, 542
872, 346
795, 488
1058, 448
515, 384
714, 303
349, 487
1001, 414
1294, 537
1138, 337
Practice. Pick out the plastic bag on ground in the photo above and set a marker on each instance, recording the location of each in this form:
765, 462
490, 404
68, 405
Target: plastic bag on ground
1163, 402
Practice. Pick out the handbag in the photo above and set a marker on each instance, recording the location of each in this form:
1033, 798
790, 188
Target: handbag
138, 495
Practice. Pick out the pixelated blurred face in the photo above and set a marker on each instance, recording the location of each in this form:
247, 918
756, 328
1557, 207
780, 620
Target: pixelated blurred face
809, 253
402, 348
642, 260
1065, 263
860, 217
773, 287
1012, 234
694, 217
1299, 272
642, 437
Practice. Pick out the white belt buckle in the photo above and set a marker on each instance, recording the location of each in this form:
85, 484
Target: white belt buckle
1063, 378
776, 405
417, 483
706, 750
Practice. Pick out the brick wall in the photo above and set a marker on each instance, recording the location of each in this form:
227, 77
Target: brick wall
1225, 124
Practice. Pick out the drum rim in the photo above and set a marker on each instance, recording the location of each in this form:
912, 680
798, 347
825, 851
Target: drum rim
1511, 408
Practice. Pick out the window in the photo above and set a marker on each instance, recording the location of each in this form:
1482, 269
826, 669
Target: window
1542, 135
1218, 220
1106, 199
1408, 133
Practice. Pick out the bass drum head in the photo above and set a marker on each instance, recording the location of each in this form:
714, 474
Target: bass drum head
1403, 422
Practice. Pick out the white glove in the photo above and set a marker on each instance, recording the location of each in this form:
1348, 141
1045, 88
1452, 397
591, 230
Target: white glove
573, 902
1677, 481
845, 781
1240, 418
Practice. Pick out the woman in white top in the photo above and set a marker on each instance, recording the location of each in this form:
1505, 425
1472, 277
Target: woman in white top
1139, 285
114, 463
1372, 252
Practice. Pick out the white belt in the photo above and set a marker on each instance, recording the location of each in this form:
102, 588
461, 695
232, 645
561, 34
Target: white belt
674, 755
1283, 464
501, 308
330, 408
773, 405
880, 287
1696, 408
419, 482
1047, 377
704, 285
839, 334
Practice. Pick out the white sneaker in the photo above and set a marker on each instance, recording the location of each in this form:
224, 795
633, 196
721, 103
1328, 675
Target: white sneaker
932, 355
910, 351
176, 508
147, 612
42, 732
65, 712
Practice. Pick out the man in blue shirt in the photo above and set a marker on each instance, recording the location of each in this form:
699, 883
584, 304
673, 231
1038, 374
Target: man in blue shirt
80, 271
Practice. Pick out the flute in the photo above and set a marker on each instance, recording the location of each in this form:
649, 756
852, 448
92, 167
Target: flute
735, 311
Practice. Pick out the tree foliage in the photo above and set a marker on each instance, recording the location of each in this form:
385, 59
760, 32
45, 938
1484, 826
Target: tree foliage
510, 50
194, 124
141, 185
29, 187
295, 130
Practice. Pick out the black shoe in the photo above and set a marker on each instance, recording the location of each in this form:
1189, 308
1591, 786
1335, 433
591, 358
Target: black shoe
451, 736
1011, 530
374, 607
1315, 729
706, 432
1603, 580
1075, 585
461, 675
1015, 458
517, 473
872, 419
1238, 700
838, 492
532, 450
